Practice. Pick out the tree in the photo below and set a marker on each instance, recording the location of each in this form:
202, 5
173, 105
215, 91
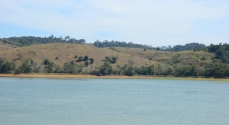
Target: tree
72, 40
150, 59
86, 63
105, 69
70, 67
46, 61
91, 60
128, 70
7, 67
49, 66
26, 67
113, 59
75, 56
85, 58
67, 38
22, 42
80, 58
31, 41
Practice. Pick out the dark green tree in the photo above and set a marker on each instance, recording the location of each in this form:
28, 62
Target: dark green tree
80, 58
70, 68
27, 66
86, 63
85, 58
7, 67
91, 60
49, 66
105, 69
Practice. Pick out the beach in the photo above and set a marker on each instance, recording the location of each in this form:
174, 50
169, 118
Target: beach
110, 77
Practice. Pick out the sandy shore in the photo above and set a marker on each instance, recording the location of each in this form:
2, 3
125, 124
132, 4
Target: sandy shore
107, 77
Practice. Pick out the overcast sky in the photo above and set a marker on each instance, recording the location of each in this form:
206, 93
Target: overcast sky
151, 22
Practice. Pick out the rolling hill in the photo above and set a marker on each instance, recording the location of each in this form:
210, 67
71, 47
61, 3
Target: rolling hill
130, 61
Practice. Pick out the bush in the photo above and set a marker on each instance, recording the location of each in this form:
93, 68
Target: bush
85, 58
7, 67
86, 63
91, 60
80, 59
26, 67
49, 66
70, 67
46, 62
105, 69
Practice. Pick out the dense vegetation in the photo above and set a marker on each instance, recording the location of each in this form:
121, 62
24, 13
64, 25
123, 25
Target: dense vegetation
120, 44
189, 46
28, 40
221, 51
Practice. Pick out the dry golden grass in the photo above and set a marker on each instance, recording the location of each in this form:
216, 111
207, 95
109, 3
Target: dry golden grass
5, 46
66, 53
182, 57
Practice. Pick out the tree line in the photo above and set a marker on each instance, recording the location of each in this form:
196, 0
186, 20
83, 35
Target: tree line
113, 43
28, 40
217, 70
221, 52
188, 46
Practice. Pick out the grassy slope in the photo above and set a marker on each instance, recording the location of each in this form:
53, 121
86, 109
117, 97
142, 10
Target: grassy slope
180, 58
5, 46
66, 53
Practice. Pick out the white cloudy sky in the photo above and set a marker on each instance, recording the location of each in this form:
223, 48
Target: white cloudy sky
151, 22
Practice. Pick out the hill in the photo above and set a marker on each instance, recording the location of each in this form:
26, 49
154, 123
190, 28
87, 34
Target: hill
66, 53
87, 59
30, 40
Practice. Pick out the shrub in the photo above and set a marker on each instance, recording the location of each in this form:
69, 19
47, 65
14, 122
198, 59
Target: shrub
75, 56
91, 60
85, 58
80, 59
7, 67
25, 67
86, 63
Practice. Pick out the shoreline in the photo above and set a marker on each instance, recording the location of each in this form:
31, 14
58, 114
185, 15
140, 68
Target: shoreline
110, 77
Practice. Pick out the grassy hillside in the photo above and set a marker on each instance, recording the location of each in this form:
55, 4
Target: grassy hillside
66, 53
5, 46
130, 61
171, 58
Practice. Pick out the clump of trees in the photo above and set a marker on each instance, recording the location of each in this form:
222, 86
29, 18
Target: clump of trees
188, 46
221, 52
7, 67
105, 69
49, 66
113, 43
27, 66
87, 61
71, 68
28, 40
111, 59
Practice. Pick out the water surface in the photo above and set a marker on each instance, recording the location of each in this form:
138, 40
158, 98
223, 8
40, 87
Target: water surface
38, 101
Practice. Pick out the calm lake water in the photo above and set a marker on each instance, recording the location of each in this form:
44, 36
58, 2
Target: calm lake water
38, 101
